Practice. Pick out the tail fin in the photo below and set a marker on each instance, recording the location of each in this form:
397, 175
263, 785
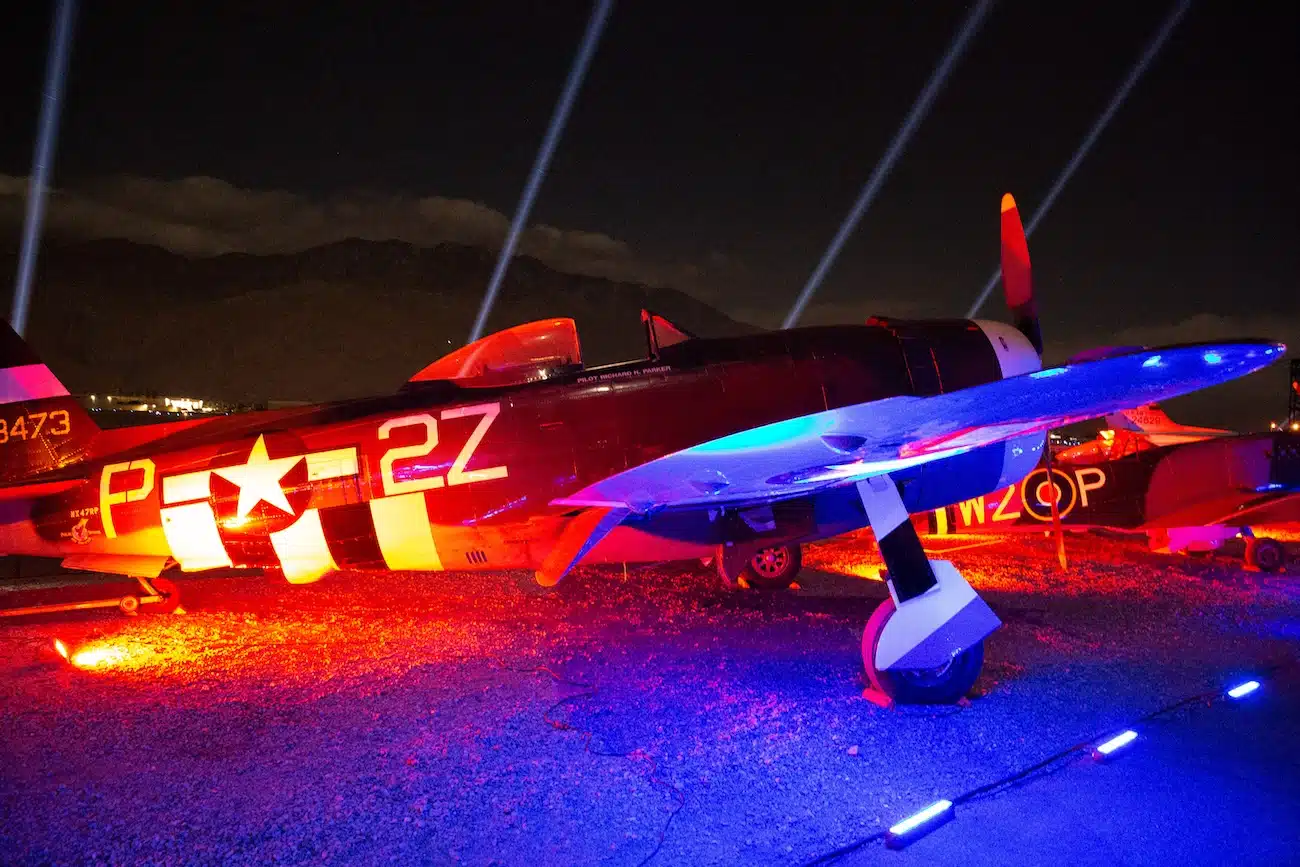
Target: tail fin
1154, 424
42, 427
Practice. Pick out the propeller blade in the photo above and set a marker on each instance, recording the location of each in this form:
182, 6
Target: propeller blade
1016, 279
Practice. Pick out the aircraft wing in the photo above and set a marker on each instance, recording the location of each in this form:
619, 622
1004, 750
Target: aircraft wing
802, 454
1242, 508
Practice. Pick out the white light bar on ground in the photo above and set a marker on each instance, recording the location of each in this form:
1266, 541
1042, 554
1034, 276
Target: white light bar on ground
1106, 748
1243, 689
919, 824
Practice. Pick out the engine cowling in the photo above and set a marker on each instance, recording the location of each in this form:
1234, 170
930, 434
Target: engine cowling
987, 468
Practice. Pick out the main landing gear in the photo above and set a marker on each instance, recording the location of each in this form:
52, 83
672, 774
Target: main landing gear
925, 643
1264, 554
769, 568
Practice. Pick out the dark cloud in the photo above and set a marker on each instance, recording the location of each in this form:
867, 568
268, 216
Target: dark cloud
205, 216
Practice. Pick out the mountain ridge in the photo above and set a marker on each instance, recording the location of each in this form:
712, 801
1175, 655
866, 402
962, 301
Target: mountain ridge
345, 319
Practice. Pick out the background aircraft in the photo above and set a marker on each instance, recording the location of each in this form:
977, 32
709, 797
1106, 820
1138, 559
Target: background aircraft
1157, 428
1206, 487
509, 453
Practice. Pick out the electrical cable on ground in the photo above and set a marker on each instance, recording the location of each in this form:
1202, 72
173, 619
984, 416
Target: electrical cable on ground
589, 690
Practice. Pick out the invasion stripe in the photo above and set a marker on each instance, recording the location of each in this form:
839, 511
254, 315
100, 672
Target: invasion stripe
350, 533
304, 554
404, 534
192, 535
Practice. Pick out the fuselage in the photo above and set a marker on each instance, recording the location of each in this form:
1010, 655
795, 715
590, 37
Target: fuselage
445, 474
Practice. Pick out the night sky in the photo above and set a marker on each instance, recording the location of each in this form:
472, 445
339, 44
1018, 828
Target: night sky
719, 146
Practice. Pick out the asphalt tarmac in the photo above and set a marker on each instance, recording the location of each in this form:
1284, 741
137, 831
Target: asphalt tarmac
651, 717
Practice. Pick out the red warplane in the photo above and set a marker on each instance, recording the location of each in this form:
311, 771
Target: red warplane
511, 454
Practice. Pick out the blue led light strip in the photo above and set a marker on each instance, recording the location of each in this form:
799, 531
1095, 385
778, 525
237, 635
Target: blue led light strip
1103, 748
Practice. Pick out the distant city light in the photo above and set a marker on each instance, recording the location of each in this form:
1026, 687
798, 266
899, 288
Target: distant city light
168, 406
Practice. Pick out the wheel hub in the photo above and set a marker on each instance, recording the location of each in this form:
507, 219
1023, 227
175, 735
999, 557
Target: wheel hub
771, 562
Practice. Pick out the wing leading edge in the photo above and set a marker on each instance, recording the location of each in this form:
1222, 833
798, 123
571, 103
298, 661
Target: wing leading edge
801, 454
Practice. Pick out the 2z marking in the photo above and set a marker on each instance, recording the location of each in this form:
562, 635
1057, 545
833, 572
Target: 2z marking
457, 474
26, 427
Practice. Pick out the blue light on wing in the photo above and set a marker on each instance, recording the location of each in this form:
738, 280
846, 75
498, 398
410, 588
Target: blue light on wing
767, 435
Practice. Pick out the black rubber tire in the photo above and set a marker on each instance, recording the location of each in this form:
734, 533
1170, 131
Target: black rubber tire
768, 569
1266, 555
937, 686
171, 595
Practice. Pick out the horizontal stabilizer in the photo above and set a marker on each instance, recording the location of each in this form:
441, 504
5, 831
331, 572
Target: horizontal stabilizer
1152, 423
39, 489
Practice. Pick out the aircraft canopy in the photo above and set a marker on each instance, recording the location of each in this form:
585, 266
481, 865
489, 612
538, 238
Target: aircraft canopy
524, 353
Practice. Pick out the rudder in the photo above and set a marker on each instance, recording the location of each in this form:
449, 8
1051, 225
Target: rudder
42, 427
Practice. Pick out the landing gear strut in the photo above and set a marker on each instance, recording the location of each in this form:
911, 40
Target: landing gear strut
924, 644
160, 594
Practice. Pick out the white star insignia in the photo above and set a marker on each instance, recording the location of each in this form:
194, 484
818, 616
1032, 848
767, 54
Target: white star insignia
259, 479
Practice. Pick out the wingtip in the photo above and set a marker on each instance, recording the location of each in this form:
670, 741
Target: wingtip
1008, 202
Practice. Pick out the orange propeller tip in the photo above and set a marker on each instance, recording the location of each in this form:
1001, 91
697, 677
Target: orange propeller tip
1008, 202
